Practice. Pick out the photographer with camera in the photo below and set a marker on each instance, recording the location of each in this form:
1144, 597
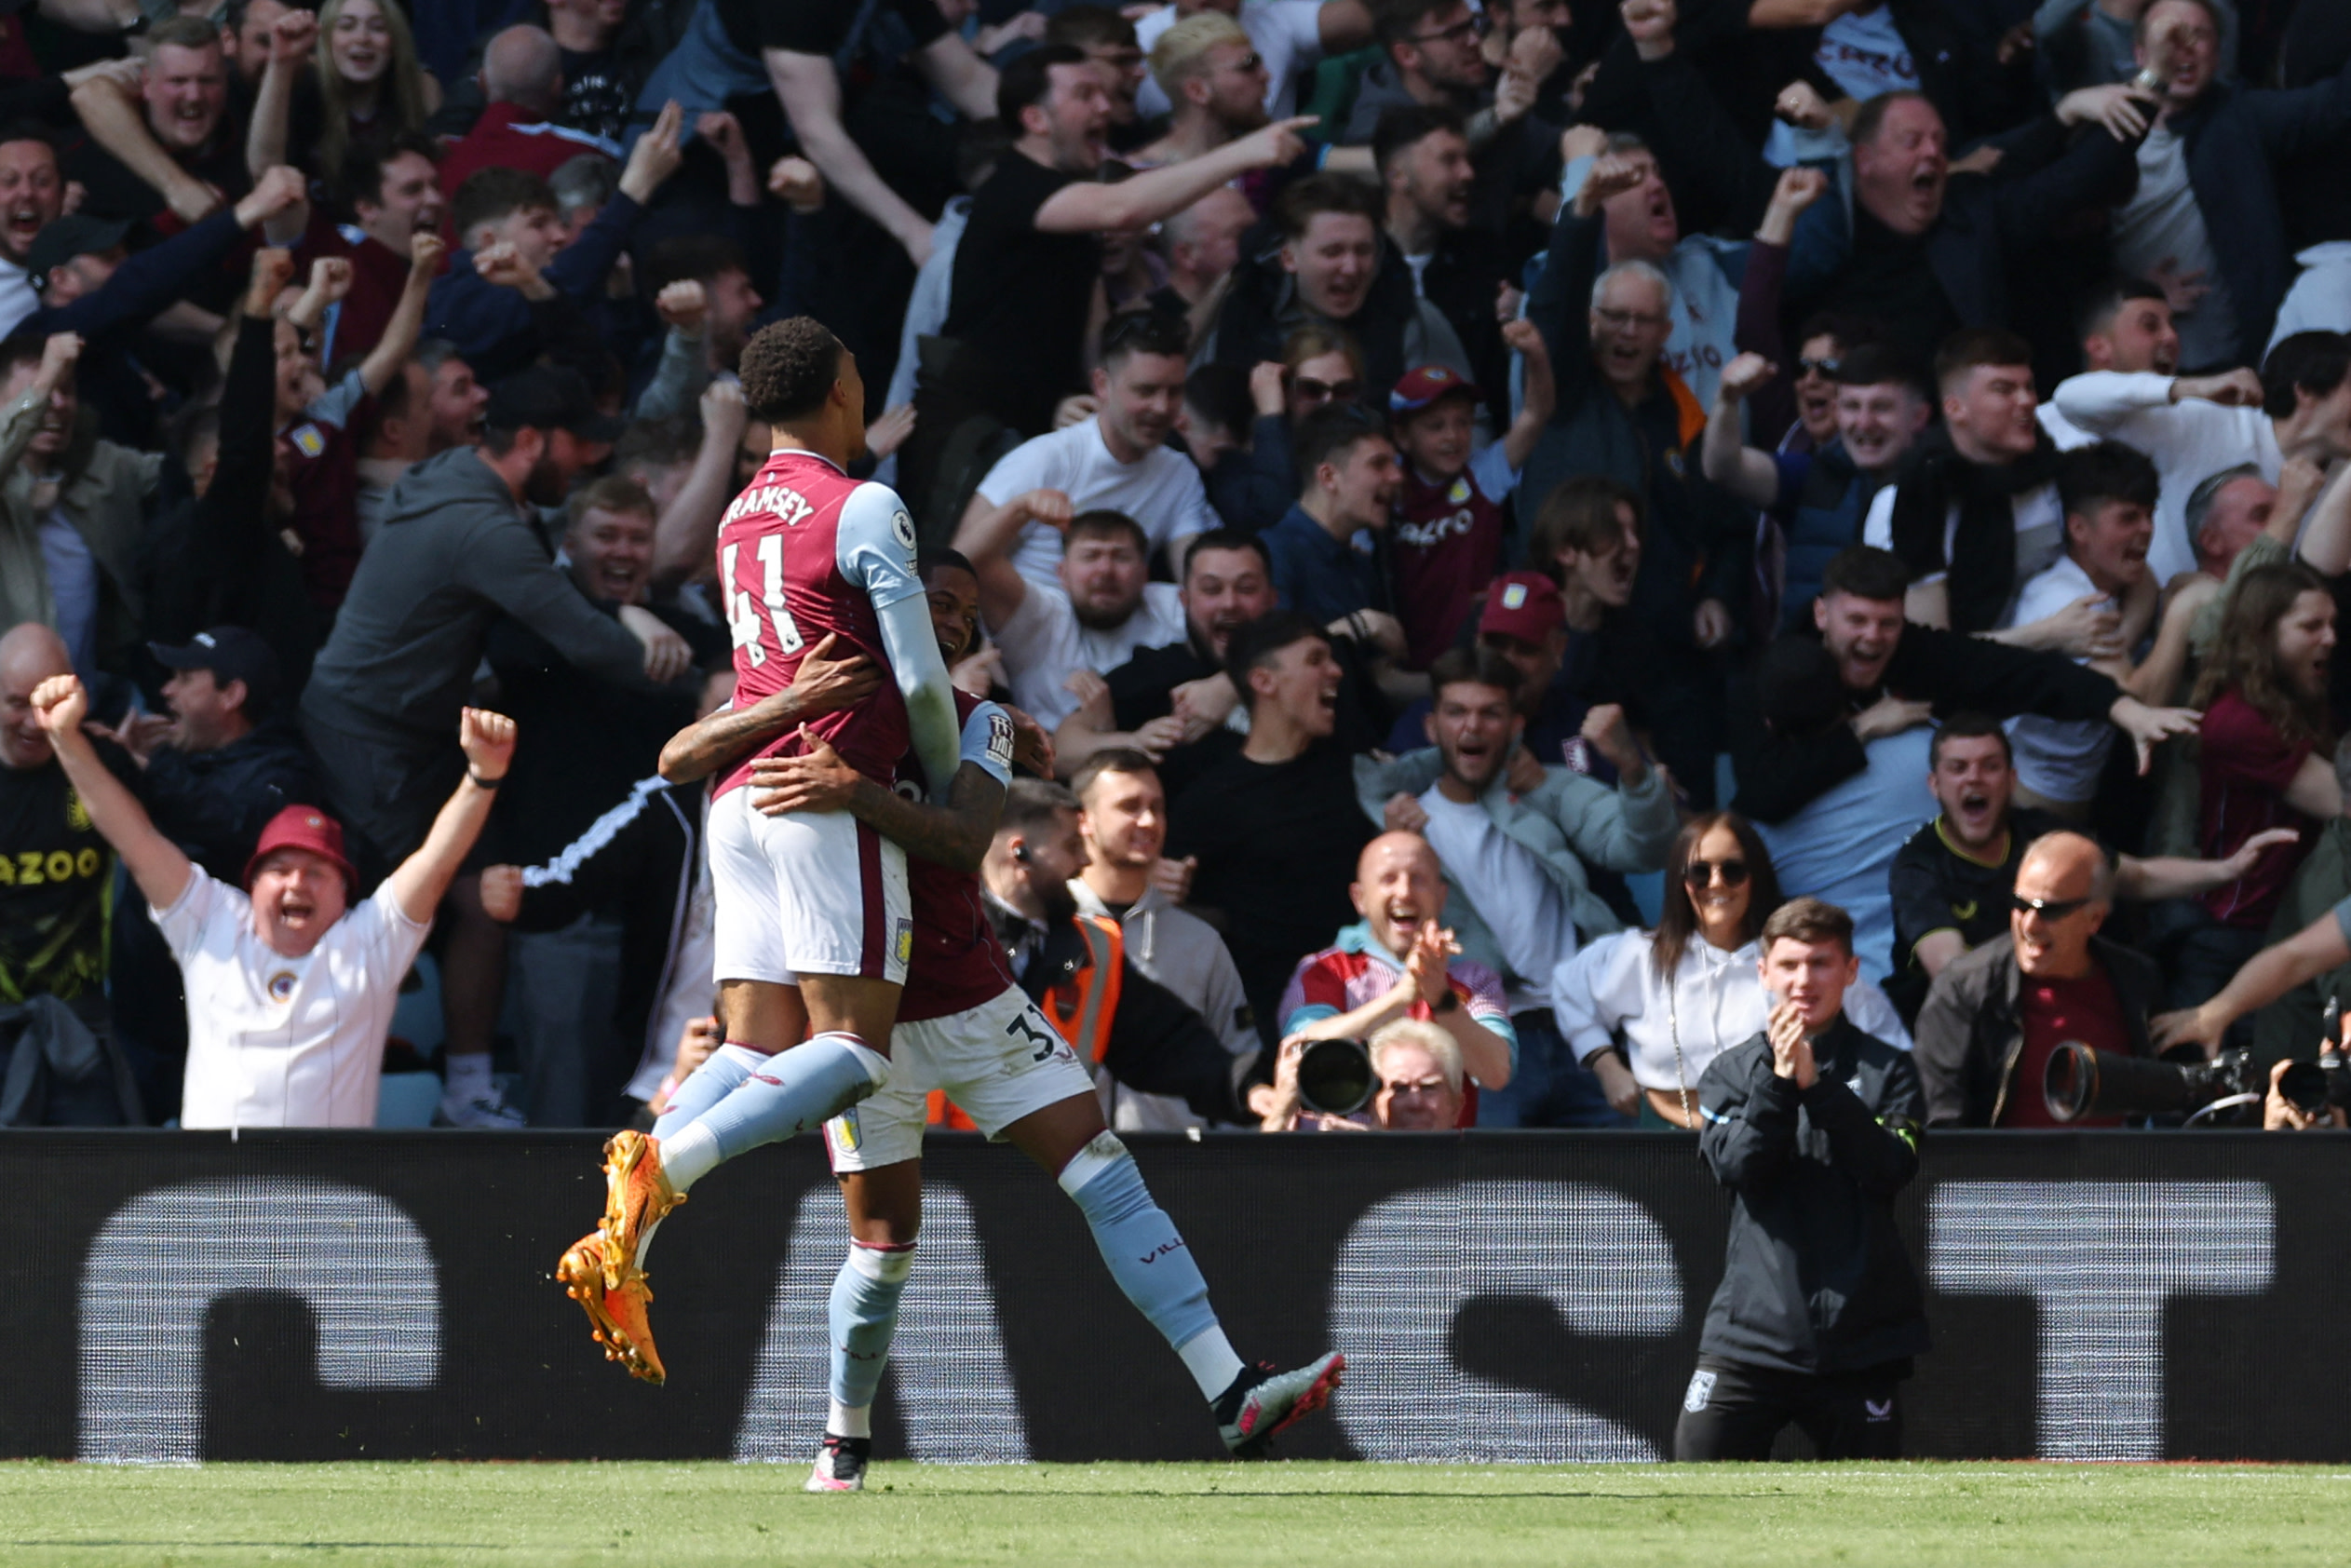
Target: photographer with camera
1405, 1078
1401, 961
1997, 1013
1813, 1126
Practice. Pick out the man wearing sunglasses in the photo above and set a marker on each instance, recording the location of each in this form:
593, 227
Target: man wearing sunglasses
1995, 1015
1952, 881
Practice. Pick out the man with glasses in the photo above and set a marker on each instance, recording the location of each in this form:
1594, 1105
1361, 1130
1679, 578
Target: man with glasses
1622, 412
1292, 38
1416, 1086
1996, 1014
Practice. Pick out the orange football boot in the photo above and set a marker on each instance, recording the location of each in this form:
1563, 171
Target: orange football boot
637, 1198
614, 1300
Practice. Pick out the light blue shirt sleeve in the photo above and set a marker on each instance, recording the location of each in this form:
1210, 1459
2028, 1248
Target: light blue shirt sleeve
986, 741
874, 546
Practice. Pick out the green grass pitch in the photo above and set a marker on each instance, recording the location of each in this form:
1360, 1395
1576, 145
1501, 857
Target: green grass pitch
1296, 1515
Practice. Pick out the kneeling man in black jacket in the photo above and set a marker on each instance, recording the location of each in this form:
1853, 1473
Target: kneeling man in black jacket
1813, 1127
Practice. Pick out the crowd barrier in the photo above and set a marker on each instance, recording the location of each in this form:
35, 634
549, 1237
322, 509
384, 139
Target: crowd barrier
1529, 1297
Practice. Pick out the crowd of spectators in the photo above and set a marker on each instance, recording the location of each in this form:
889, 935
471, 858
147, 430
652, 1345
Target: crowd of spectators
1489, 499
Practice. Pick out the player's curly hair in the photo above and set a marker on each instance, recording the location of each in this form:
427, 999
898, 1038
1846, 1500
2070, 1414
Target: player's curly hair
789, 368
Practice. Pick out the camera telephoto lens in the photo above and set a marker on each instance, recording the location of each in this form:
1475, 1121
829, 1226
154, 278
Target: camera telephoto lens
2308, 1087
1334, 1076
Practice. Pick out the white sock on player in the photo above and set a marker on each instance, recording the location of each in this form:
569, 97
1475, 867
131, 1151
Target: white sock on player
689, 1156
1210, 1359
849, 1420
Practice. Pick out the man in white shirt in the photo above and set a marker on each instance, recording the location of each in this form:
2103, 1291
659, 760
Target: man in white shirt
291, 987
2194, 426
1116, 461
1291, 36
1515, 859
1094, 614
2126, 327
2109, 493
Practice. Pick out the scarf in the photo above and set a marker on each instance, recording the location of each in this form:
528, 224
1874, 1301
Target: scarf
1983, 555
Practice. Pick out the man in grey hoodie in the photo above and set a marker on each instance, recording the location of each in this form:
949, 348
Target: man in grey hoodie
1123, 818
459, 545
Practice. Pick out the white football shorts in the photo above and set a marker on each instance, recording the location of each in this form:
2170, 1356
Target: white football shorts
811, 893
999, 1061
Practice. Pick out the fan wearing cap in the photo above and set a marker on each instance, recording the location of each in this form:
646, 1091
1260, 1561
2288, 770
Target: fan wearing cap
1447, 536
291, 981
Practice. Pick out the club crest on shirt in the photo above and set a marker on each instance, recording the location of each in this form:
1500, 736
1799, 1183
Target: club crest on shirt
1460, 491
903, 943
76, 814
280, 986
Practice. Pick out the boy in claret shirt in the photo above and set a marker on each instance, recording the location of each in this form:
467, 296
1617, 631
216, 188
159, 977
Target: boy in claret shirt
1447, 540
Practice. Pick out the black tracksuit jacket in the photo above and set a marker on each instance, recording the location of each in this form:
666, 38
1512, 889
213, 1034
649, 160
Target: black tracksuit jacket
1817, 1279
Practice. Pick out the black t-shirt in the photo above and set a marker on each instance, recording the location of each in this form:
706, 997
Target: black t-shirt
1277, 844
1937, 887
54, 872
813, 26
597, 96
1020, 297
1143, 689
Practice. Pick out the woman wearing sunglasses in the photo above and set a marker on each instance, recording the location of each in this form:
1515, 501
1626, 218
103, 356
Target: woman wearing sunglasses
1680, 995
1319, 365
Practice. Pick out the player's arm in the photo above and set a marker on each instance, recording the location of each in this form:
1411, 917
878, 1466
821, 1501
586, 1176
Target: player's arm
422, 880
874, 548
955, 836
155, 861
825, 682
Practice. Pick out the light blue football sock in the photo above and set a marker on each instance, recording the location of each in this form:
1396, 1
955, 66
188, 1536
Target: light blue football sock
1148, 1257
706, 1085
864, 1320
793, 1092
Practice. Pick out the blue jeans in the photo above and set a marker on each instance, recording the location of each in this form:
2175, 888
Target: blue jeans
1550, 1088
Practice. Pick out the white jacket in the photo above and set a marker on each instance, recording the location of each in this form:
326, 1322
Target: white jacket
1611, 986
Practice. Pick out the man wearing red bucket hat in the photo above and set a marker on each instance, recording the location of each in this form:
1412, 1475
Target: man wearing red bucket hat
291, 982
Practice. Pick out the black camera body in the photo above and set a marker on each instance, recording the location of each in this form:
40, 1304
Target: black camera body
2317, 1085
